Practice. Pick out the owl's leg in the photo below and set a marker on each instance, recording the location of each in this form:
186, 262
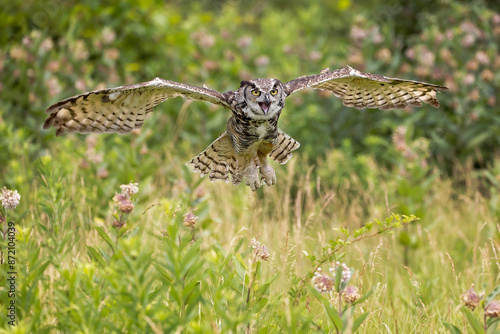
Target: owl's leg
252, 175
267, 172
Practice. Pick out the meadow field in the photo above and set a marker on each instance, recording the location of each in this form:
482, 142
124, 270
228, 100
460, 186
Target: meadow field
381, 222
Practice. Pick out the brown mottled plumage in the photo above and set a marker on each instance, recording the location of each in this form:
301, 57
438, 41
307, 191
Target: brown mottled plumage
252, 132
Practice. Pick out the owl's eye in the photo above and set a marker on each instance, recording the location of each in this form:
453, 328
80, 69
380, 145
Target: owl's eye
273, 92
256, 92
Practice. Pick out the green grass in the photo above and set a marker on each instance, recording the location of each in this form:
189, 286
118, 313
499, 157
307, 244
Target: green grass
77, 273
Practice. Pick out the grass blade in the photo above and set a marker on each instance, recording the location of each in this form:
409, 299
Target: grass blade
359, 320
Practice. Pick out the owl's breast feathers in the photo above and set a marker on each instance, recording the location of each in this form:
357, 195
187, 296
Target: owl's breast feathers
250, 135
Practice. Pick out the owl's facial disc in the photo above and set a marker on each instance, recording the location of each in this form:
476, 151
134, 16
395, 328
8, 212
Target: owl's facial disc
265, 104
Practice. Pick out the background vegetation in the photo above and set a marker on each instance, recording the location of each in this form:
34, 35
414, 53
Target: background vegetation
79, 273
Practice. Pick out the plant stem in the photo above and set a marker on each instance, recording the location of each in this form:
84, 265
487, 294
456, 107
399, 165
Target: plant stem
305, 279
4, 232
119, 228
253, 279
485, 323
340, 303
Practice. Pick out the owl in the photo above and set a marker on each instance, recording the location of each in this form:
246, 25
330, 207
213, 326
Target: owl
252, 135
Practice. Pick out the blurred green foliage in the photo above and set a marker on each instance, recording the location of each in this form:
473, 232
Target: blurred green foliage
54, 49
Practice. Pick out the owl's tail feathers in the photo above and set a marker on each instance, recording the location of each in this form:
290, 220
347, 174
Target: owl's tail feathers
218, 161
283, 147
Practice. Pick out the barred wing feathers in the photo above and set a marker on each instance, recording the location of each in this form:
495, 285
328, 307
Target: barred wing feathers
283, 147
121, 109
365, 90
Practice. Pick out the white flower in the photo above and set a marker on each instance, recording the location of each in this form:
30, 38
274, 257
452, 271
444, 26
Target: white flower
259, 249
130, 189
254, 244
9, 198
346, 272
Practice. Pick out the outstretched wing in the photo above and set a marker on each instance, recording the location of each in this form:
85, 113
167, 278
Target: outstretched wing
366, 90
121, 109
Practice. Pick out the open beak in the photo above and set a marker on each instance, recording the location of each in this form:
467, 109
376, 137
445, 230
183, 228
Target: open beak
265, 105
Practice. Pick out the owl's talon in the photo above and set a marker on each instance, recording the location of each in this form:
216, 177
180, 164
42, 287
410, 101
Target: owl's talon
252, 178
268, 175
254, 184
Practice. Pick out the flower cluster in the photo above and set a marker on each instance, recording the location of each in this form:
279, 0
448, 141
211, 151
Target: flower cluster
124, 202
492, 310
259, 250
346, 271
323, 282
130, 189
471, 298
189, 219
9, 198
351, 294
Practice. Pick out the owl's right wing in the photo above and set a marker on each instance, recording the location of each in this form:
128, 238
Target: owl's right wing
365, 90
121, 109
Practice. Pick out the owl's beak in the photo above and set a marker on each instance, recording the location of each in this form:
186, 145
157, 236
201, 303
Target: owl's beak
265, 105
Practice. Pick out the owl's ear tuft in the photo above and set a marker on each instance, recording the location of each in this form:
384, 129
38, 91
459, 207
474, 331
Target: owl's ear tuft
246, 83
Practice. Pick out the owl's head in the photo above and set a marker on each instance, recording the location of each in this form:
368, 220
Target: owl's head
264, 97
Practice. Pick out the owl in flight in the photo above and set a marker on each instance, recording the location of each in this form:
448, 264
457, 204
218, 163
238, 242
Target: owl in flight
252, 132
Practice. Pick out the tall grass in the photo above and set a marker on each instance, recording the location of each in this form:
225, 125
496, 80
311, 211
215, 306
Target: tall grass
81, 274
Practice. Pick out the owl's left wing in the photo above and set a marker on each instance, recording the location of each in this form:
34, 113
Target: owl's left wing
121, 109
366, 90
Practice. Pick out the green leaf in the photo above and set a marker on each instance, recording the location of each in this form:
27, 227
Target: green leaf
105, 236
191, 256
359, 232
492, 295
260, 304
258, 269
163, 272
125, 229
364, 297
316, 294
96, 255
261, 291
473, 321
338, 277
359, 320
241, 268
21, 216
492, 324
241, 261
188, 291
333, 315
452, 328
36, 274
